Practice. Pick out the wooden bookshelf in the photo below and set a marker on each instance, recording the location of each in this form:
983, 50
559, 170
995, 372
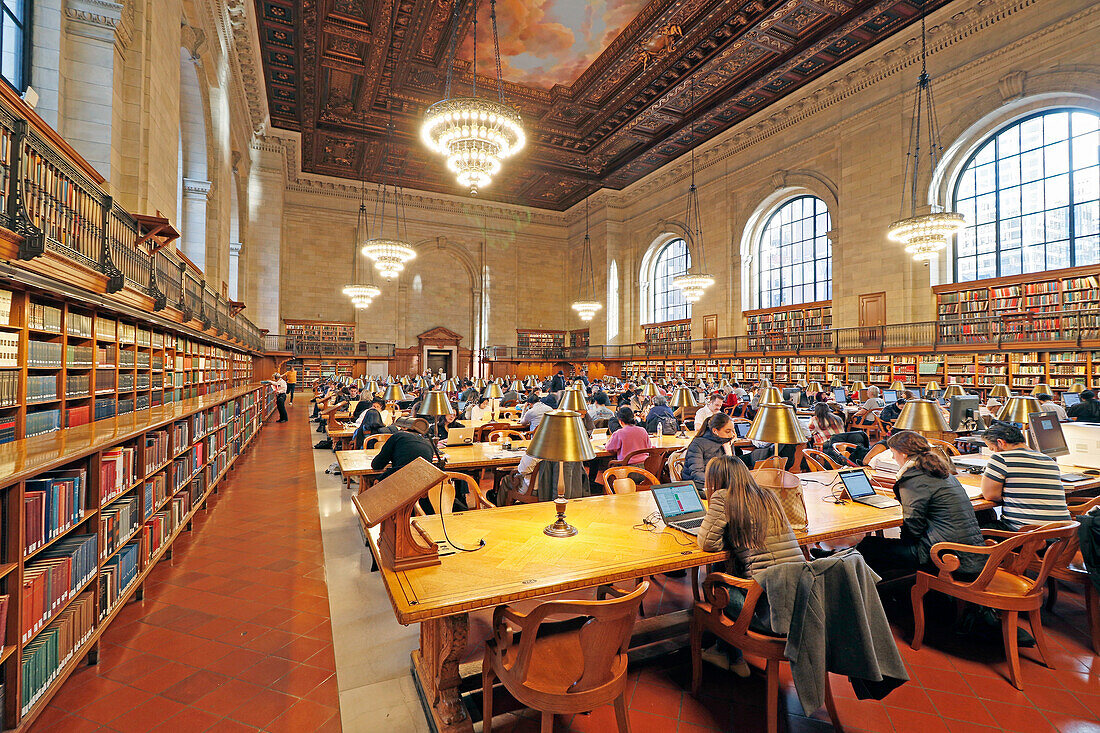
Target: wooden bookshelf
133, 484
538, 344
326, 338
578, 339
670, 337
769, 328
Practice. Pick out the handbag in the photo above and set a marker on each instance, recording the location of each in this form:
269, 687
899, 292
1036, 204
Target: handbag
788, 489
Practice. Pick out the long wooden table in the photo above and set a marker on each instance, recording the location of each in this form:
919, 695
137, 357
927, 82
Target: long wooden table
518, 561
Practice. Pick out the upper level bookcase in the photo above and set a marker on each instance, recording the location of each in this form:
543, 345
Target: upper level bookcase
670, 337
578, 339
768, 328
537, 344
333, 338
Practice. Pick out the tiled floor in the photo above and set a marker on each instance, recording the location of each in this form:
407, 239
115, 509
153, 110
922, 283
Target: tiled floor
234, 635
234, 632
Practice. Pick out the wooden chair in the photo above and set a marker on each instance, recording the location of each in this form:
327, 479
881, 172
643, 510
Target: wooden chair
619, 480
489, 427
947, 446
375, 441
654, 460
871, 423
1002, 584
499, 436
512, 487
818, 461
573, 670
845, 449
675, 464
442, 495
1070, 569
709, 615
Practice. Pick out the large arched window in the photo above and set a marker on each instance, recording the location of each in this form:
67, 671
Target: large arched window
795, 257
1031, 197
612, 301
671, 261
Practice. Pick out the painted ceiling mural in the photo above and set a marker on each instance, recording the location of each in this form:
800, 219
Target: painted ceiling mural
602, 86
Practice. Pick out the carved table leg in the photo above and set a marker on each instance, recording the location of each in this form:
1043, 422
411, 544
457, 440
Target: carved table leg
442, 645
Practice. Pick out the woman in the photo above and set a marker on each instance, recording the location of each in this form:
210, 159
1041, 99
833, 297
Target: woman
824, 424
628, 438
745, 520
481, 411
935, 508
714, 438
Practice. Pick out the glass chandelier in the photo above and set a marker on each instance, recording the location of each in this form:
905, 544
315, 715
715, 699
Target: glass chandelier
389, 254
587, 306
694, 284
924, 235
475, 135
362, 295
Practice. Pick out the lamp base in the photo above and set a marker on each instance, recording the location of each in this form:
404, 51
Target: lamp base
560, 528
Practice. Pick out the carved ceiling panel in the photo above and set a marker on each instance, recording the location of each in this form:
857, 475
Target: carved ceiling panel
339, 70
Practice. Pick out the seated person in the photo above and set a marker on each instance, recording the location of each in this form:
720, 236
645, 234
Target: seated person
747, 521
600, 408
935, 508
628, 438
892, 412
1026, 483
449, 421
1047, 404
874, 402
712, 407
533, 415
481, 411
370, 421
1087, 410
713, 438
661, 415
824, 425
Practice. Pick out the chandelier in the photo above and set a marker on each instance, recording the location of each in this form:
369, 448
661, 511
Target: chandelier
587, 306
389, 254
362, 295
926, 234
693, 284
474, 134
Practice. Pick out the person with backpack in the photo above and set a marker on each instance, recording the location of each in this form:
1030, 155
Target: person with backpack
660, 418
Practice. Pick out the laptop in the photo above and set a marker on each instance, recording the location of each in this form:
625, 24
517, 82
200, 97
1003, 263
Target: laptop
971, 463
1069, 399
680, 506
889, 396
860, 490
460, 436
742, 429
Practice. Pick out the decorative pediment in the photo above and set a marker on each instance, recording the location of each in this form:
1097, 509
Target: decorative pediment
439, 335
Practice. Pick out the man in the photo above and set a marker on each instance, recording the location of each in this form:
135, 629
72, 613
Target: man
1047, 404
1026, 483
291, 378
874, 402
370, 421
713, 406
279, 385
402, 448
892, 412
599, 409
557, 384
533, 416
1087, 410
660, 416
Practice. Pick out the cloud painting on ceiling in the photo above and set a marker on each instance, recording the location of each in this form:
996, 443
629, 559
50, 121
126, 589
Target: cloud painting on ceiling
548, 42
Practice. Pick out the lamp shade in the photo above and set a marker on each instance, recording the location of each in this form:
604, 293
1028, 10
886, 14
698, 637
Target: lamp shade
492, 392
836, 383
815, 387
394, 393
1000, 391
777, 424
1040, 388
725, 386
423, 385
683, 397
404, 381
921, 416
857, 386
932, 386
435, 404
953, 390
573, 399
771, 396
515, 386
898, 385
650, 390
578, 384
372, 387
479, 384
561, 437
1077, 388
452, 385
1018, 408
765, 381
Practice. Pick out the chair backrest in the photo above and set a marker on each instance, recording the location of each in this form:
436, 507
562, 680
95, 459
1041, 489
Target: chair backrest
499, 436
654, 459
600, 422
818, 461
475, 499
604, 638
619, 480
1017, 551
376, 441
948, 447
675, 464
442, 497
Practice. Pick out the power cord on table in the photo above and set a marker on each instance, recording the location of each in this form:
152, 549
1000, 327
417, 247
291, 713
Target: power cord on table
836, 493
651, 523
443, 523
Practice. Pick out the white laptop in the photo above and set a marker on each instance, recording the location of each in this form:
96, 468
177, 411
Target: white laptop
460, 436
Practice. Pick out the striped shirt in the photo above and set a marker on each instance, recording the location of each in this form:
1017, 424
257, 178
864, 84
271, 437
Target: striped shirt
1033, 492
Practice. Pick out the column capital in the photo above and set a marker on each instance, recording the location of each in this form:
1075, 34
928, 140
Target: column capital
194, 188
235, 248
95, 19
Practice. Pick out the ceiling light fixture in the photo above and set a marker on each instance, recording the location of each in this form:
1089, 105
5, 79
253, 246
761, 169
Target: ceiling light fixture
362, 295
475, 135
587, 305
694, 284
389, 254
924, 235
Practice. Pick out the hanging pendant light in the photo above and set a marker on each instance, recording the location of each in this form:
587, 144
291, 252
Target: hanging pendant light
924, 235
389, 254
587, 306
694, 284
474, 134
362, 294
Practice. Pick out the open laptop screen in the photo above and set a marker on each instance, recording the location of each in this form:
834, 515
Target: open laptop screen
742, 429
674, 500
857, 484
1071, 398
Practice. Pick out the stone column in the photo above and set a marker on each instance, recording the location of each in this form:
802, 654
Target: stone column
196, 193
235, 273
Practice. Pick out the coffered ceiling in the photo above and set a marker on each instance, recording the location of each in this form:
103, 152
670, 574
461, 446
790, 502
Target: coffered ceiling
603, 86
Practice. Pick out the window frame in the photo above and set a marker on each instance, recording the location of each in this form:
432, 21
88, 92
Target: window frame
26, 26
827, 283
991, 138
653, 281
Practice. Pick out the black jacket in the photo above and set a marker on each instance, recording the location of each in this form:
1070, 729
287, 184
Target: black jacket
699, 452
662, 414
892, 412
400, 450
938, 510
557, 384
1085, 411
1089, 536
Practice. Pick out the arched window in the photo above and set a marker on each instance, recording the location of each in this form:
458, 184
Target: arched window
671, 261
1031, 197
613, 301
795, 257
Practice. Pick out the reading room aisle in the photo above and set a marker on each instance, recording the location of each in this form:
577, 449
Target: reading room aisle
233, 633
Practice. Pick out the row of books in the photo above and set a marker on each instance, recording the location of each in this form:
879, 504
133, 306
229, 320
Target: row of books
55, 576
186, 465
104, 408
180, 434
41, 387
78, 357
9, 387
78, 385
9, 348
118, 523
156, 449
155, 492
156, 531
44, 354
116, 576
117, 472
75, 416
54, 647
44, 317
5, 307
52, 504
104, 381
125, 381
7, 429
124, 407
42, 422
78, 324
